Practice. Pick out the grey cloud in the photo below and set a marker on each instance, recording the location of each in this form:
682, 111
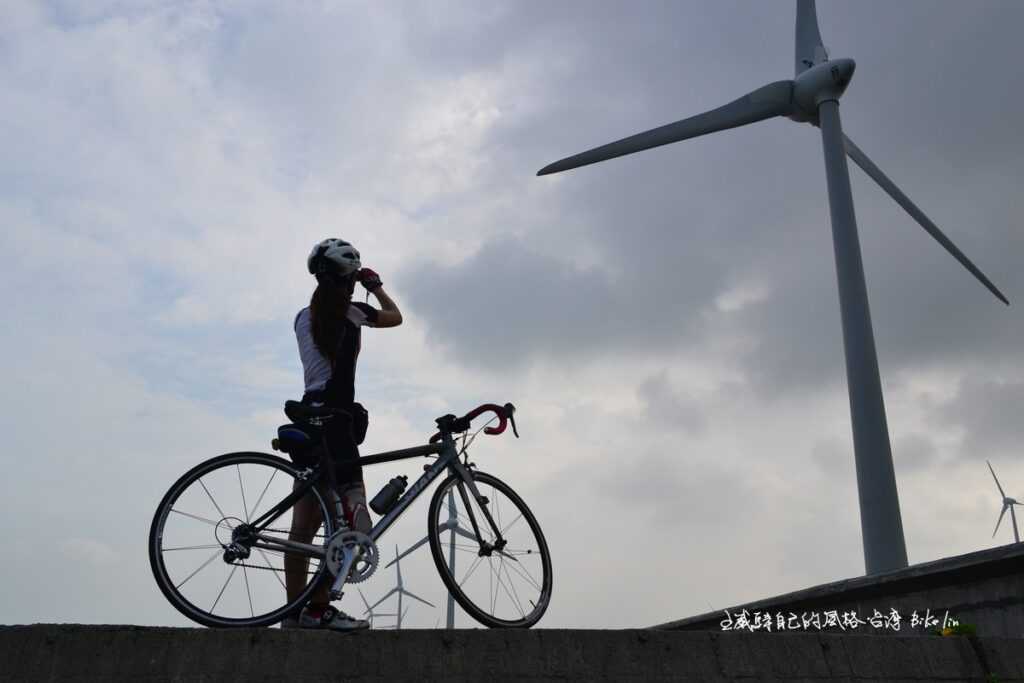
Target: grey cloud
914, 452
989, 412
669, 407
834, 457
666, 491
512, 303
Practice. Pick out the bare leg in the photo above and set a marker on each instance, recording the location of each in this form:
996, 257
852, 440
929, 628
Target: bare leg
306, 519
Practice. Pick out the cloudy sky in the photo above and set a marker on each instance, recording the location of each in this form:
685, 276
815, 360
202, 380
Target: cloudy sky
667, 323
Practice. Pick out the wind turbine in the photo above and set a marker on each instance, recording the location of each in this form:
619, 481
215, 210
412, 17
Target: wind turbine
1007, 503
452, 524
400, 589
813, 97
369, 610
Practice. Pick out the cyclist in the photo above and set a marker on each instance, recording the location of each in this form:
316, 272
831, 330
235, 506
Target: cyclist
329, 339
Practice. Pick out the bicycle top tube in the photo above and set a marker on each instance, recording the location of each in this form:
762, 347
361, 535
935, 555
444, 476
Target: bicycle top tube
401, 454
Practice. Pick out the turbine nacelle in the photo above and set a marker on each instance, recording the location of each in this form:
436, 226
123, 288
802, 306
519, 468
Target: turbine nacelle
820, 83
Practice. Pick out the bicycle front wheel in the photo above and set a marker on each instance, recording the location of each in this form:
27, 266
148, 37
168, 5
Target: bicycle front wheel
506, 587
193, 526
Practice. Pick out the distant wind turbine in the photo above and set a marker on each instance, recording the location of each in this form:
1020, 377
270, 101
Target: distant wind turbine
369, 610
450, 524
400, 590
813, 97
1007, 503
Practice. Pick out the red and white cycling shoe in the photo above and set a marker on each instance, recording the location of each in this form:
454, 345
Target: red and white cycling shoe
329, 618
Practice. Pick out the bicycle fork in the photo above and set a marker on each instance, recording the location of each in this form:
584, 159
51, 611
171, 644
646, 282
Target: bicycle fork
467, 481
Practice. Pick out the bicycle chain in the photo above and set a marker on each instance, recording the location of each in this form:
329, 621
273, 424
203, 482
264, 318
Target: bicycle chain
273, 569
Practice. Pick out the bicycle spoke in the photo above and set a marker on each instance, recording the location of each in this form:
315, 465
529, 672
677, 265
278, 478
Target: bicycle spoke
214, 605
471, 570
519, 604
259, 500
468, 548
490, 577
245, 506
512, 524
273, 569
204, 519
502, 553
248, 592
467, 524
193, 547
497, 575
201, 567
222, 515
525, 573
497, 507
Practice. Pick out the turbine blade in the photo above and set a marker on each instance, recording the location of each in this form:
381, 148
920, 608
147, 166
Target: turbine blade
999, 520
809, 50
774, 99
409, 550
1013, 518
416, 597
876, 174
996, 478
386, 596
465, 534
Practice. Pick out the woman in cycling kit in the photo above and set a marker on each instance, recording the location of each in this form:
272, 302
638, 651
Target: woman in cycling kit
328, 332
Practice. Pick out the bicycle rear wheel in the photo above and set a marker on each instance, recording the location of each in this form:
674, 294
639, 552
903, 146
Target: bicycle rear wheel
510, 587
193, 525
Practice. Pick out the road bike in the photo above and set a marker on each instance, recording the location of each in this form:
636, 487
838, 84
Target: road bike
233, 512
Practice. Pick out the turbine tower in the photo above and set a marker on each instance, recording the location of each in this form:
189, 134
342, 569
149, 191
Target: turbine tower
400, 590
1007, 503
813, 97
450, 524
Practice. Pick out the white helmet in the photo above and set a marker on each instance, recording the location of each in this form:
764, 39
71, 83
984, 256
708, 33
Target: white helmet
333, 256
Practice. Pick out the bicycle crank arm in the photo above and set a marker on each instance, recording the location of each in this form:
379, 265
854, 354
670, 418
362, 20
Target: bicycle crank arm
339, 580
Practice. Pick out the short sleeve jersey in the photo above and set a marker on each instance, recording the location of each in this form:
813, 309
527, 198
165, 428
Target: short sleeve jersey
316, 368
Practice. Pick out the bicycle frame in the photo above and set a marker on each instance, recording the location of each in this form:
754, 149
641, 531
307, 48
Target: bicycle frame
448, 459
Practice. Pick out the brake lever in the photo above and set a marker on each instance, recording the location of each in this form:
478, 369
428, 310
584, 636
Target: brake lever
510, 414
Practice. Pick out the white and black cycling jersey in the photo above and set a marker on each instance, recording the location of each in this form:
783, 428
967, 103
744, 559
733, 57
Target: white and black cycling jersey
316, 368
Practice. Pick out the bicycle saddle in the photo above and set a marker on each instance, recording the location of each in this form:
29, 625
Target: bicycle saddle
301, 412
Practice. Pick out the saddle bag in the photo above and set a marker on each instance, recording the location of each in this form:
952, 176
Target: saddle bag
300, 442
360, 423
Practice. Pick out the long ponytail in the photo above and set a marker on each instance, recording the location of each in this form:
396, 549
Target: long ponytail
327, 310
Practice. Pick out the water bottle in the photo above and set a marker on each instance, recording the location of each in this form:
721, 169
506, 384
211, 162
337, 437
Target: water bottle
389, 495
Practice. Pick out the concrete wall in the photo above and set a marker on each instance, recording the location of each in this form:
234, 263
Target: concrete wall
75, 654
985, 589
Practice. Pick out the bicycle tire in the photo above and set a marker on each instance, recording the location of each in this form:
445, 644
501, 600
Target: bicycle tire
485, 614
185, 484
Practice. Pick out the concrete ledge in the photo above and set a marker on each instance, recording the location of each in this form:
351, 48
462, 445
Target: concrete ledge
72, 653
984, 588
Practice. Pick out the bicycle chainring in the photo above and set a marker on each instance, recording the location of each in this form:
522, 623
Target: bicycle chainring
365, 564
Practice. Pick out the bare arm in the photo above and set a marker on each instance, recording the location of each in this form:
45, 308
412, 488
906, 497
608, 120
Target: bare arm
389, 315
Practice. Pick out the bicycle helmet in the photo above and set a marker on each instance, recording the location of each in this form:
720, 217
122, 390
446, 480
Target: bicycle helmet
335, 257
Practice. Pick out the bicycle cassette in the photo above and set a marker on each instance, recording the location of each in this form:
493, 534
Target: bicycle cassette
352, 541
